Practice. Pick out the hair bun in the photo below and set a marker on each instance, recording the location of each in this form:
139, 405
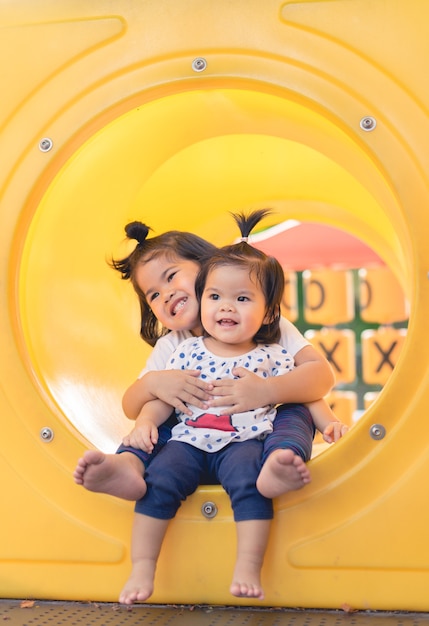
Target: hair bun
137, 230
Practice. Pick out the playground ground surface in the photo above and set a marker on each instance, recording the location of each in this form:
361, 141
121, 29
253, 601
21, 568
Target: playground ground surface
33, 612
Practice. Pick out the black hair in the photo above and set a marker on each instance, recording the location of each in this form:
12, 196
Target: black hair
173, 244
265, 269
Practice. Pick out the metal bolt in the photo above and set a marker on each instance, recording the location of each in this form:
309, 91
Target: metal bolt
45, 144
209, 509
199, 64
46, 434
377, 431
368, 123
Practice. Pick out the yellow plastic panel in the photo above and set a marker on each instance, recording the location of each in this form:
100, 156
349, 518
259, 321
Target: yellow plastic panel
338, 346
381, 350
369, 398
279, 117
290, 298
328, 296
381, 296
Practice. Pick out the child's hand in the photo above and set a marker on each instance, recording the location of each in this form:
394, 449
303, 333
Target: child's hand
240, 394
178, 387
334, 431
143, 436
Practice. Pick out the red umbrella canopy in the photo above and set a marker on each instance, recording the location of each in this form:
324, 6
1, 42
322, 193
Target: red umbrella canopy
308, 245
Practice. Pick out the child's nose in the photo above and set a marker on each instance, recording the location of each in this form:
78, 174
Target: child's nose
168, 294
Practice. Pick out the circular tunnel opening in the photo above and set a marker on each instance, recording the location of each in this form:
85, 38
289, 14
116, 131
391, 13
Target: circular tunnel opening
182, 162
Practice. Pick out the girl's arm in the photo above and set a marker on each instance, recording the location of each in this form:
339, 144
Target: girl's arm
172, 386
175, 387
311, 379
326, 421
145, 432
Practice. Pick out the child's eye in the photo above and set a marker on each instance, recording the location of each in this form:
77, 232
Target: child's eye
243, 299
153, 296
214, 296
171, 276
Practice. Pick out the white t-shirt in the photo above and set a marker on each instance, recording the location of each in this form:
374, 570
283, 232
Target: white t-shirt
212, 430
291, 339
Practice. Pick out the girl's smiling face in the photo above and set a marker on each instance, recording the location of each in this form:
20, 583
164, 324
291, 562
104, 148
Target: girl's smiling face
168, 284
233, 307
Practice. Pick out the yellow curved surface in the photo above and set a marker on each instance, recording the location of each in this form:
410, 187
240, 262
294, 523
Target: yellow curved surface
273, 120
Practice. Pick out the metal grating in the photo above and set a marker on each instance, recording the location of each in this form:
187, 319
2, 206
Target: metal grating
16, 613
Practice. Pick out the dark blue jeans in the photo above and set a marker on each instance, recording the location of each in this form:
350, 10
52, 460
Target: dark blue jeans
293, 429
178, 469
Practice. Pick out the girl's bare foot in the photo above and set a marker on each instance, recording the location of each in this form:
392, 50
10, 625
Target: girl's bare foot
246, 582
139, 586
283, 471
119, 475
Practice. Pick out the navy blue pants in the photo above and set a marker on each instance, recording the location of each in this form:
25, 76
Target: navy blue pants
178, 469
293, 429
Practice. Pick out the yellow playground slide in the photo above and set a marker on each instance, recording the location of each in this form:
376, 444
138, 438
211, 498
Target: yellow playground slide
177, 113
